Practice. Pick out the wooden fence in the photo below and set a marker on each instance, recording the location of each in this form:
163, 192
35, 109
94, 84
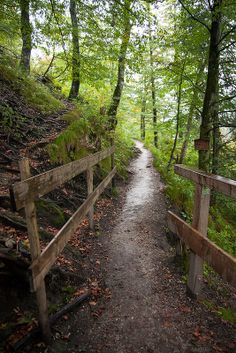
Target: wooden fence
195, 236
30, 188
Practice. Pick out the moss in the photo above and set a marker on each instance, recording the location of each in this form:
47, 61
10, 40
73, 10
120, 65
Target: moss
227, 314
53, 308
34, 93
71, 116
52, 212
39, 96
68, 293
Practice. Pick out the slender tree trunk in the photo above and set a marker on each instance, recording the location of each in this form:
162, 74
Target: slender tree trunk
50, 65
177, 117
210, 105
153, 89
142, 117
74, 91
191, 113
112, 111
26, 32
216, 147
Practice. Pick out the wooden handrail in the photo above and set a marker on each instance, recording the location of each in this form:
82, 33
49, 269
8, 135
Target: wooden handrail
218, 259
28, 189
195, 236
44, 262
42, 184
218, 183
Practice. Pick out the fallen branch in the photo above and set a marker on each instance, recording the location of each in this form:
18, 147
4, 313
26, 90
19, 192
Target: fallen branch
10, 220
39, 144
68, 307
11, 170
35, 332
9, 159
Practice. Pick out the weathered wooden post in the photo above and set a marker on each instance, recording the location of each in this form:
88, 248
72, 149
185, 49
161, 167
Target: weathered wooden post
90, 190
112, 164
31, 220
200, 223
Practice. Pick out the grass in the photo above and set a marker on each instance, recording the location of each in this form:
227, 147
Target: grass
34, 93
86, 128
222, 224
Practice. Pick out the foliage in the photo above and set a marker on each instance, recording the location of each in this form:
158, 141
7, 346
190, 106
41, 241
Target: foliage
222, 232
39, 96
178, 35
86, 134
227, 314
34, 93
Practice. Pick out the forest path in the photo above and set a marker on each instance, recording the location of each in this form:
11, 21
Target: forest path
132, 323
149, 310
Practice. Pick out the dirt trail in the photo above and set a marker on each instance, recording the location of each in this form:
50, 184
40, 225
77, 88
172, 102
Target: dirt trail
132, 322
149, 310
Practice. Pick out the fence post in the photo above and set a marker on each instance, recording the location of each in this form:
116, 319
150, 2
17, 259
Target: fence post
90, 190
200, 223
113, 184
32, 227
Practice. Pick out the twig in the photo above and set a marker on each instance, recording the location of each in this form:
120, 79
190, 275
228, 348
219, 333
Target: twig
194, 17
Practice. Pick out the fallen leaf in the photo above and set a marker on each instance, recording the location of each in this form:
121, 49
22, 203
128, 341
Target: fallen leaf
185, 309
92, 303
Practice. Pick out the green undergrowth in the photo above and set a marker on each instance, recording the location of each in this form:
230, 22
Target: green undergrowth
227, 314
222, 224
88, 133
27, 88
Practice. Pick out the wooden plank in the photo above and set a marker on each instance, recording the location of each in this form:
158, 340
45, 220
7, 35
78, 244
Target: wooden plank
90, 190
41, 184
42, 265
218, 259
30, 213
32, 227
113, 183
200, 223
216, 182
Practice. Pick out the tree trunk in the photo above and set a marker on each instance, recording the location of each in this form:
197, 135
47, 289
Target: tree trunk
153, 89
112, 111
177, 117
191, 112
216, 148
74, 91
26, 32
142, 117
210, 105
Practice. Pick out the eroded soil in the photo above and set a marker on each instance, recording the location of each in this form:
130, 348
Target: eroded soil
144, 307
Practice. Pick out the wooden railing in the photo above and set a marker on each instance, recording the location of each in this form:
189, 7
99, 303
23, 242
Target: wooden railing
30, 188
195, 236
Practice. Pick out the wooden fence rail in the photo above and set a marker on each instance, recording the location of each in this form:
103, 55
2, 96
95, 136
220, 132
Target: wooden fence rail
194, 236
30, 188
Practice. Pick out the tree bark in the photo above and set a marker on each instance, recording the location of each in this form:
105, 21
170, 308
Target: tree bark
74, 90
26, 32
112, 111
210, 105
142, 118
153, 89
191, 112
177, 117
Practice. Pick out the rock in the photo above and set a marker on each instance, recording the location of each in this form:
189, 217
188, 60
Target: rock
10, 243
